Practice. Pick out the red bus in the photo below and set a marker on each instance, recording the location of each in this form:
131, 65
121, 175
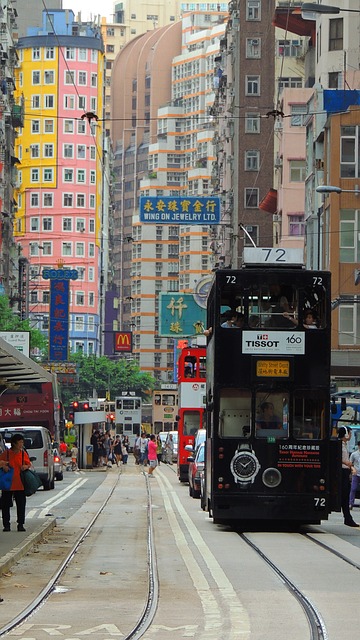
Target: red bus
29, 404
192, 391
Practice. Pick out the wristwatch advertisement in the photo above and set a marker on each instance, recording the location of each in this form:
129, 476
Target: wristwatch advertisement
244, 466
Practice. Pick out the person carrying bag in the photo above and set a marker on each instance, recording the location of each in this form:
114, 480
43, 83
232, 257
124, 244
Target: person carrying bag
19, 461
6, 477
30, 480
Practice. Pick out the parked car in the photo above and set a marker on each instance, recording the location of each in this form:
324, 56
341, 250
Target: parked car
175, 447
200, 437
58, 465
38, 444
196, 465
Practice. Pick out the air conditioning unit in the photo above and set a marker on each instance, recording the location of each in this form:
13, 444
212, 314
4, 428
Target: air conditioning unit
278, 162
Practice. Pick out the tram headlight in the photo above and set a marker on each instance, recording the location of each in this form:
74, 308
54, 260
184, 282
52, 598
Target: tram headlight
271, 477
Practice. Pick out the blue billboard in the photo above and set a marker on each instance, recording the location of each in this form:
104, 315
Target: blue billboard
59, 320
181, 210
180, 315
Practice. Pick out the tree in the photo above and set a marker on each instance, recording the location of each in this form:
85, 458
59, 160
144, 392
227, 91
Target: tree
11, 322
104, 375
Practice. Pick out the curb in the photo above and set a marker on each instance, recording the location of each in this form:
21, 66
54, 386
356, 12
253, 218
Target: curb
8, 560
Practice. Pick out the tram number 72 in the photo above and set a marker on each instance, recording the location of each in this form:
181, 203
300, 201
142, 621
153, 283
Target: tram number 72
320, 503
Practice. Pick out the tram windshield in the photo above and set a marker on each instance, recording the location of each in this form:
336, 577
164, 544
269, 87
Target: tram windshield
274, 305
191, 422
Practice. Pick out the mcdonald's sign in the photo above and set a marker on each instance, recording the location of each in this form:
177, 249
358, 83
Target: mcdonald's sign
122, 341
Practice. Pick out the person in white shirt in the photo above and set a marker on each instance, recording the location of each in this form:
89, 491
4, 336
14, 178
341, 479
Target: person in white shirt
346, 467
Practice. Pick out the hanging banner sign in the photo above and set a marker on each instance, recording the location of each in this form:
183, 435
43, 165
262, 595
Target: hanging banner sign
59, 320
180, 210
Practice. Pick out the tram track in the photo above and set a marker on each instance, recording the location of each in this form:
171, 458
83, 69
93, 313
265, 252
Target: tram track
52, 585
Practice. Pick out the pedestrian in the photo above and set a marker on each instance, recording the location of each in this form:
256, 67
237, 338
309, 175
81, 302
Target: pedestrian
125, 449
158, 449
137, 449
63, 448
74, 457
152, 456
117, 449
169, 449
355, 478
107, 446
346, 466
143, 449
19, 460
94, 441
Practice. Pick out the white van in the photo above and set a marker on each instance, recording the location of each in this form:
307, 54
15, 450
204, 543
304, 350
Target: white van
37, 442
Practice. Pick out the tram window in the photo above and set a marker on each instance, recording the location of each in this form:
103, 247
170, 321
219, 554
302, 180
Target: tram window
157, 399
272, 415
235, 413
315, 301
128, 403
278, 305
191, 422
309, 416
202, 369
119, 403
168, 399
137, 403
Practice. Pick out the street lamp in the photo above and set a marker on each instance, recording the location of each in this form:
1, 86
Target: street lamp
329, 188
309, 10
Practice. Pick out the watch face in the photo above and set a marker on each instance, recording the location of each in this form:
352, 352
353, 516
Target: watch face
244, 466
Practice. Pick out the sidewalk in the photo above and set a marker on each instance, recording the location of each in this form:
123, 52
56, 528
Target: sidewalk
14, 545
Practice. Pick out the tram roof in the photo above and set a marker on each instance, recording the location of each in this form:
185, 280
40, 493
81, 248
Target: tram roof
15, 368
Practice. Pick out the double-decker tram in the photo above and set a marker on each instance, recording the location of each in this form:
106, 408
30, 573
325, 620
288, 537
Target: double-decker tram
128, 409
165, 408
192, 395
269, 450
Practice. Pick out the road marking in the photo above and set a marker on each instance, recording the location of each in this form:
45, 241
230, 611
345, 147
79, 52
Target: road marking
238, 616
57, 499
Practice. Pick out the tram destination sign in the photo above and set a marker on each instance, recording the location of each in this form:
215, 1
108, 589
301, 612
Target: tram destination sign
273, 369
189, 210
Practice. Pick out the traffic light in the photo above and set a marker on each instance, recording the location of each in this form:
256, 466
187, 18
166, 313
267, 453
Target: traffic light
71, 416
111, 418
85, 406
75, 405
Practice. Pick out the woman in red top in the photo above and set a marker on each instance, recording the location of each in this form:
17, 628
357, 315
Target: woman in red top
152, 455
19, 460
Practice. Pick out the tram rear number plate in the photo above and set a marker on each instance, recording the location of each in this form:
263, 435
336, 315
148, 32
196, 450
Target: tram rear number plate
273, 368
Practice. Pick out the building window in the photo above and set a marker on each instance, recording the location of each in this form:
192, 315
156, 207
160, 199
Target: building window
48, 150
253, 232
251, 198
91, 274
349, 236
79, 323
252, 123
48, 126
68, 126
36, 53
68, 175
34, 175
66, 249
91, 298
92, 201
252, 85
33, 297
80, 249
47, 224
35, 102
49, 102
82, 78
298, 115
80, 200
296, 224
47, 248
82, 102
36, 77
80, 175
91, 225
79, 346
69, 53
92, 176
35, 151
35, 126
336, 34
334, 79
80, 298
49, 77
48, 199
34, 224
46, 298
91, 250
68, 199
34, 248
297, 170
34, 200
68, 150
253, 47
288, 48
94, 79
252, 160
293, 83
81, 126
349, 152
48, 175
69, 77
80, 224
50, 53
69, 102
67, 224
81, 151
82, 54
349, 324
253, 10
